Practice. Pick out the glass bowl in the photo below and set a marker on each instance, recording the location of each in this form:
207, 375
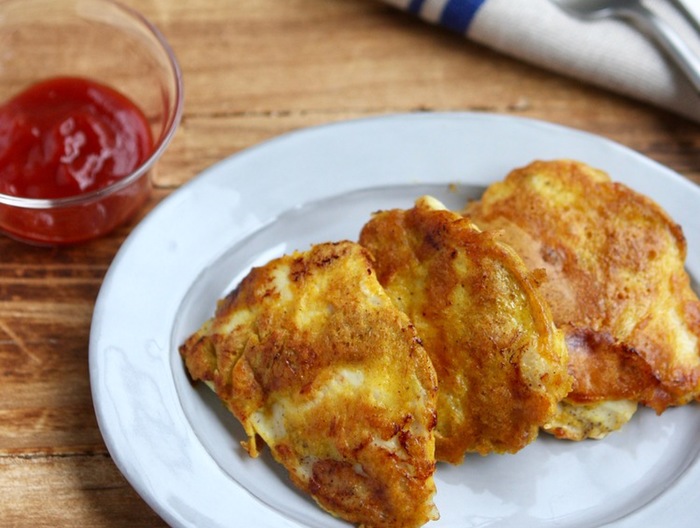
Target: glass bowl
105, 42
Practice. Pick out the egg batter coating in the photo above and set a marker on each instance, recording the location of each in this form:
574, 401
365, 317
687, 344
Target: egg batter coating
616, 285
500, 361
312, 357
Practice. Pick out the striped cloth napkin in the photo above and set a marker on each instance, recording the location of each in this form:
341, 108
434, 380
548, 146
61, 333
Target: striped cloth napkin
608, 53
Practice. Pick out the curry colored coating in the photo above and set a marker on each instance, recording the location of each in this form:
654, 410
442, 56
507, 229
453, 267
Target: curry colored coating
500, 362
310, 354
616, 281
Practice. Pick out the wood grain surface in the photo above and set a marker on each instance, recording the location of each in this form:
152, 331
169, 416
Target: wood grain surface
253, 69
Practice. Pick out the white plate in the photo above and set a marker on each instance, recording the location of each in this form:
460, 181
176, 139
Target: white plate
179, 448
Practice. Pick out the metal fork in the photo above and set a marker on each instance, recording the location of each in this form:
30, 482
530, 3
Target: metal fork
633, 11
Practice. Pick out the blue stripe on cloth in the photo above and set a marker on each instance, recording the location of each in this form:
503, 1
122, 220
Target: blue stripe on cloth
458, 14
415, 6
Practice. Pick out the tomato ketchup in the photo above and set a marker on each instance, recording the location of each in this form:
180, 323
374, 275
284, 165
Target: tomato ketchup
64, 138
67, 136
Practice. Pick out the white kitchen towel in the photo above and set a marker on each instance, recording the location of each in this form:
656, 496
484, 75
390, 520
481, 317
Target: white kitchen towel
609, 53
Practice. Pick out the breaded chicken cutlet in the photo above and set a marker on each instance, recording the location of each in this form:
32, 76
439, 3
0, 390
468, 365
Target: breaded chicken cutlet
500, 361
311, 355
616, 285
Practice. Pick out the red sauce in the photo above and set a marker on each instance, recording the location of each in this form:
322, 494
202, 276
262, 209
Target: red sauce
67, 136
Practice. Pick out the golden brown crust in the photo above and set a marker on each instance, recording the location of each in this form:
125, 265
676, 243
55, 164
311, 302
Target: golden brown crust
500, 362
615, 266
311, 356
605, 369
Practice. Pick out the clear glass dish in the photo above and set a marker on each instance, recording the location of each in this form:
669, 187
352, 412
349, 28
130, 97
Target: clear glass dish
111, 44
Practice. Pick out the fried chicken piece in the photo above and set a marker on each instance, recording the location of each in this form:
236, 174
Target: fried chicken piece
500, 362
310, 354
616, 285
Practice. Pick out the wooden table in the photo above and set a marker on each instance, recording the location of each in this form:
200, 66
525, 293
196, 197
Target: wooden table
253, 69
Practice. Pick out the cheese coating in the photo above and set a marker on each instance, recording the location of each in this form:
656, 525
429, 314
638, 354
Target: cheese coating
616, 283
312, 357
500, 361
